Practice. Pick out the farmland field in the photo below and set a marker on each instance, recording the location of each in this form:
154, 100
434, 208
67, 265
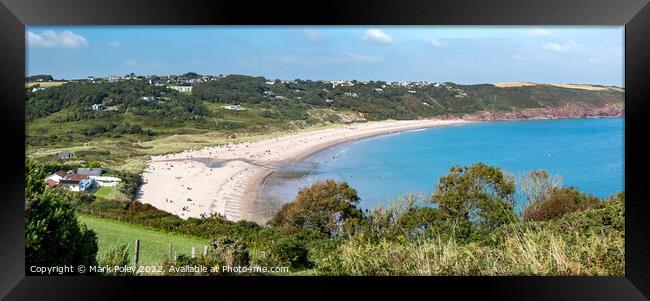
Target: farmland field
45, 84
153, 244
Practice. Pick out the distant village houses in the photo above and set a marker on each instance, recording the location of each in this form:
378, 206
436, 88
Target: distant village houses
185, 89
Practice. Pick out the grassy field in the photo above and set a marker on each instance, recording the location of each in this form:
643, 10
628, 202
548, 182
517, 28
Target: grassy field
45, 84
153, 244
128, 154
107, 192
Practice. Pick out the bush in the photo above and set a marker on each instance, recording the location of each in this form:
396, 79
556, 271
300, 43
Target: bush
95, 164
558, 202
291, 251
326, 206
407, 218
117, 256
232, 252
130, 184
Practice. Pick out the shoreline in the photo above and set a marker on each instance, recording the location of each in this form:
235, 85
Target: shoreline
241, 169
254, 187
186, 185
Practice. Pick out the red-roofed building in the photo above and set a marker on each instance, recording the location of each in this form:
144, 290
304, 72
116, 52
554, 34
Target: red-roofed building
73, 182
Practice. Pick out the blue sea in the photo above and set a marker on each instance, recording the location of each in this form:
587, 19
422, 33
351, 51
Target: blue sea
585, 153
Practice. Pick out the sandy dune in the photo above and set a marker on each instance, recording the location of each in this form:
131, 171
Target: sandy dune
225, 179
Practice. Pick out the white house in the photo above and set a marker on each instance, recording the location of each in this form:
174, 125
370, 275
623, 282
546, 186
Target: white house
105, 181
99, 107
185, 89
70, 181
235, 107
56, 177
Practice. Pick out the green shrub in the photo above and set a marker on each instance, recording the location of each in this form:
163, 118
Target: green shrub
558, 202
117, 256
232, 252
291, 251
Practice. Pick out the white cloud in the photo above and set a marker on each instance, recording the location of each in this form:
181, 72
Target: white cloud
540, 32
377, 35
53, 39
312, 35
131, 63
114, 44
436, 43
564, 47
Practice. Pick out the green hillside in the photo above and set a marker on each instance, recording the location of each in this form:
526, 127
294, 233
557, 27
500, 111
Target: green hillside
154, 245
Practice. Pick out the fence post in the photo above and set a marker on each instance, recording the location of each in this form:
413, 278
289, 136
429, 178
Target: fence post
193, 252
136, 255
169, 252
205, 250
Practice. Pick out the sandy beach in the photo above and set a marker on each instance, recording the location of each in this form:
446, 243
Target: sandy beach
225, 179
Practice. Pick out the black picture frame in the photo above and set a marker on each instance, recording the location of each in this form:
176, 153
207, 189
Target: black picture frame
634, 15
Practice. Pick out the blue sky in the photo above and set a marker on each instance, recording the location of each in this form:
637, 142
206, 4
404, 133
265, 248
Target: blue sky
461, 54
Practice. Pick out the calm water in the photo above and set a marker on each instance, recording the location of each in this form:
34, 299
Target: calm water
586, 153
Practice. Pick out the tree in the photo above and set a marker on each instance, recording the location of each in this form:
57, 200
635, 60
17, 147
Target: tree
535, 186
557, 202
475, 199
53, 237
325, 207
